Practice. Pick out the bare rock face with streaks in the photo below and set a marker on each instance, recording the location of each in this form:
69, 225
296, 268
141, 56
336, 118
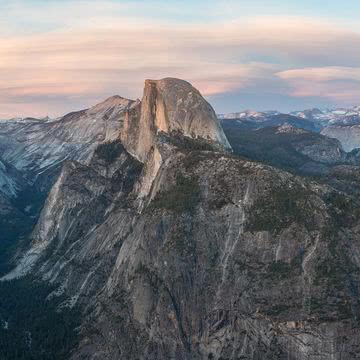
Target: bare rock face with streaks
33, 145
348, 135
170, 106
177, 249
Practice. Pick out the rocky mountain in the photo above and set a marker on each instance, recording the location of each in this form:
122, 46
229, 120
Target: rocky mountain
283, 119
341, 124
349, 136
32, 154
248, 115
339, 116
287, 147
32, 145
309, 119
174, 247
271, 119
311, 114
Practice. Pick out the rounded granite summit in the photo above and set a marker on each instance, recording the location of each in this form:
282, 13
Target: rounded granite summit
181, 107
171, 106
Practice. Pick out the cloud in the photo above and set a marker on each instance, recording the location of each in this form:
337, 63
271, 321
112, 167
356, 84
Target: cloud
322, 74
89, 60
341, 84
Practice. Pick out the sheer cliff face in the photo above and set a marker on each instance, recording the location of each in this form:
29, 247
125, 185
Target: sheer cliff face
177, 249
170, 106
181, 108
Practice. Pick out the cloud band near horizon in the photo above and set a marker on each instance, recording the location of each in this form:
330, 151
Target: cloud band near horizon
253, 61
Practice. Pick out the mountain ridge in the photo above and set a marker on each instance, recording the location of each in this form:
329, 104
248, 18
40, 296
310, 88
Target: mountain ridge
345, 116
174, 247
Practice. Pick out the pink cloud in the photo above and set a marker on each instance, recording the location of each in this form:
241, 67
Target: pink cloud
322, 73
101, 58
341, 84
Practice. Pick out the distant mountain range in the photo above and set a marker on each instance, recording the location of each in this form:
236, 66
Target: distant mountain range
339, 116
341, 124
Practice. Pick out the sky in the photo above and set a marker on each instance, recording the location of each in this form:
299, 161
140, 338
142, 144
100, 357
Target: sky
61, 56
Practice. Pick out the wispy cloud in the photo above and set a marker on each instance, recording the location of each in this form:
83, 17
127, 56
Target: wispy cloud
340, 84
322, 73
109, 51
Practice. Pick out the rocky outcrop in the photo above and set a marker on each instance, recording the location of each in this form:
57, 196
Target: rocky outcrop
170, 106
173, 107
349, 136
321, 149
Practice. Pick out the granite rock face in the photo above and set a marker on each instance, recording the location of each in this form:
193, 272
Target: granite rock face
33, 152
170, 106
33, 146
349, 136
177, 249
318, 148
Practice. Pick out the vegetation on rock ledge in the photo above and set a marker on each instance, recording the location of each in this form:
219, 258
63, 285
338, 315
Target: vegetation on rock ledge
181, 197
